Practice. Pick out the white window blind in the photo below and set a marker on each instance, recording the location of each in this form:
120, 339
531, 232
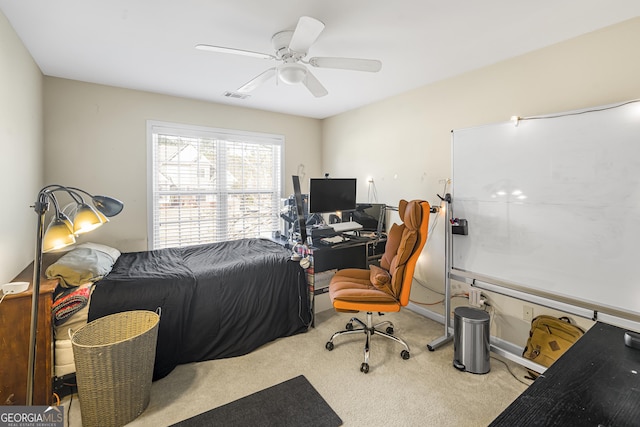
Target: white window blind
209, 185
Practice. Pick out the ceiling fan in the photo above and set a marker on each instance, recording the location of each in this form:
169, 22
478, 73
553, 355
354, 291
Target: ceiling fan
291, 48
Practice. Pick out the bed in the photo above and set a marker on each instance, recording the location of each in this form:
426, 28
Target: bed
216, 300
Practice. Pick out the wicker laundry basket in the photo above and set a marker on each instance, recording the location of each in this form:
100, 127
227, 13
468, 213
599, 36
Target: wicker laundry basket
114, 358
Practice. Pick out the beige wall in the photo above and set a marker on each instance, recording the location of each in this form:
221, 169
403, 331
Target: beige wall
404, 142
95, 139
21, 158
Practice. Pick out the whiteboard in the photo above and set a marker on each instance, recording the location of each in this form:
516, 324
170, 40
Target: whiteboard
553, 206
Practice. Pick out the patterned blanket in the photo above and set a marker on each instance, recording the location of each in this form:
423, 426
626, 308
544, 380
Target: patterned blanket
69, 302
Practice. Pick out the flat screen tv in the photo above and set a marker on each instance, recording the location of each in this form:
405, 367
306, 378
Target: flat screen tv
332, 194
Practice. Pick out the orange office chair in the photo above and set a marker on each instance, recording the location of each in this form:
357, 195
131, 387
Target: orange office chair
386, 288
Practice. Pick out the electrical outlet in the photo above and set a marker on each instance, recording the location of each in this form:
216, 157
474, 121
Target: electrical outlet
475, 297
527, 313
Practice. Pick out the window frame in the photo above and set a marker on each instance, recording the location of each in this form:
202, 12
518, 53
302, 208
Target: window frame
195, 131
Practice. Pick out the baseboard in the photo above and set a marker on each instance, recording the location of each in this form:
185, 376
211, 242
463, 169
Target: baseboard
506, 345
426, 312
513, 352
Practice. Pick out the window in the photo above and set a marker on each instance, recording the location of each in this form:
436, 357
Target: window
209, 185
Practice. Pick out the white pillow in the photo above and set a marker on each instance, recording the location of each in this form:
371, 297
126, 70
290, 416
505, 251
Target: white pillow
86, 263
112, 252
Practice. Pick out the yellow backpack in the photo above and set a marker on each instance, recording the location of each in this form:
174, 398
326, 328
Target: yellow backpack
548, 339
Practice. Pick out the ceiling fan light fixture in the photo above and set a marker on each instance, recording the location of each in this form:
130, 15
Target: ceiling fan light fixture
292, 73
291, 48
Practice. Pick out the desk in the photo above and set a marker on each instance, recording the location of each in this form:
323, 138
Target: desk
595, 383
359, 252
351, 254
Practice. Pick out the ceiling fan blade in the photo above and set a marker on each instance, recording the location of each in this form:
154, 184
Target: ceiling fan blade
305, 34
370, 65
314, 85
221, 49
257, 81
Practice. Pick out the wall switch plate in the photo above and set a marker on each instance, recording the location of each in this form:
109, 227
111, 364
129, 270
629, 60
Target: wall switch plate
527, 313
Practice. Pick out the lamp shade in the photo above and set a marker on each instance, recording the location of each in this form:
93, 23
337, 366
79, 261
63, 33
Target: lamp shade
64, 218
86, 219
103, 219
107, 205
57, 236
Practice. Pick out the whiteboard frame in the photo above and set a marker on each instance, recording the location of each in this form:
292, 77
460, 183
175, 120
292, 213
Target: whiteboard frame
565, 303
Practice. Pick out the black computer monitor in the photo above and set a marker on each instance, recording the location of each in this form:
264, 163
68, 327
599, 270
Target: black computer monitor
332, 194
370, 215
302, 223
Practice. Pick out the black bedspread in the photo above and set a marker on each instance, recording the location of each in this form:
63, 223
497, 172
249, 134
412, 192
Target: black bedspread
219, 300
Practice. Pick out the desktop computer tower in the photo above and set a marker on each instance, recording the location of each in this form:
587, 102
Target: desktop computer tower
321, 299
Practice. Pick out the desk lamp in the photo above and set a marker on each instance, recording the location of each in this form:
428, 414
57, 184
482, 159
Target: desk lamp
61, 232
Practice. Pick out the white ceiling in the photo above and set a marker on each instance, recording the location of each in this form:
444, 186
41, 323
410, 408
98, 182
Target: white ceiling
149, 44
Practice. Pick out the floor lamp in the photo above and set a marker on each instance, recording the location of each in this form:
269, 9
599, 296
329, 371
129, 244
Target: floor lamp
60, 233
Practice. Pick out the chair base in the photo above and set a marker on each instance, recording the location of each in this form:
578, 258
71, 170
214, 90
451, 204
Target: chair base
369, 330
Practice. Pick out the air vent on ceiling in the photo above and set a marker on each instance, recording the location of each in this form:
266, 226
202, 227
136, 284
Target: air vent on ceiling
236, 95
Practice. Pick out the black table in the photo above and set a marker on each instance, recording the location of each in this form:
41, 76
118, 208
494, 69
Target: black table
595, 383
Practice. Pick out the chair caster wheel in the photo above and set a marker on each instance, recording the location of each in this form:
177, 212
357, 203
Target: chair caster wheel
329, 346
364, 368
405, 354
390, 330
349, 326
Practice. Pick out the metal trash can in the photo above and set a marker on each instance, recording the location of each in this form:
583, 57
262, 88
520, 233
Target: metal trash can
471, 345
114, 357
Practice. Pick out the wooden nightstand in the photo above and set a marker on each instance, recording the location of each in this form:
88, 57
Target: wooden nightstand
15, 321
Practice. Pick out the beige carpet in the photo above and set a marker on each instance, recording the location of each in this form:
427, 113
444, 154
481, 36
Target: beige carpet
425, 390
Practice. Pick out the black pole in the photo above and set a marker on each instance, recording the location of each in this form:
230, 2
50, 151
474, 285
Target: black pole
40, 207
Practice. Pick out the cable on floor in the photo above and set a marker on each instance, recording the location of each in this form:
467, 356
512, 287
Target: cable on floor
311, 311
466, 296
69, 410
511, 372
